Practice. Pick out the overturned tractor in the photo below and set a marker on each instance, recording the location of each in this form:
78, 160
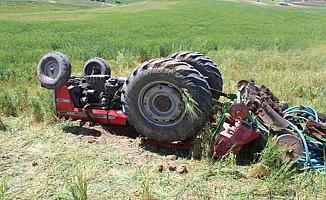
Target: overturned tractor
152, 99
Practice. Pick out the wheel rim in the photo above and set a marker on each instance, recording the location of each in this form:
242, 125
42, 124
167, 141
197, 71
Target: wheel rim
51, 69
161, 103
93, 69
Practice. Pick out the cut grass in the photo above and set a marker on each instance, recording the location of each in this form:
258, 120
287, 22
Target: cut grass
282, 48
190, 105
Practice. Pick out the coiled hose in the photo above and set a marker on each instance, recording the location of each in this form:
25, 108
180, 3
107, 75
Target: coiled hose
296, 112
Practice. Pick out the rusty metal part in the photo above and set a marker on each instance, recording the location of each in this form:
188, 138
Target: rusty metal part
293, 144
254, 106
254, 95
316, 130
271, 118
239, 111
322, 117
265, 91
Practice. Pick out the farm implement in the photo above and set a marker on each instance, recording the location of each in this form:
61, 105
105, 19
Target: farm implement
254, 113
169, 101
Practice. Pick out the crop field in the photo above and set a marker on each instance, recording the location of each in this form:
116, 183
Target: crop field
42, 157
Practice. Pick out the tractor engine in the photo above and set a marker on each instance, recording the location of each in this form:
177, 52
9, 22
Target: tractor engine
96, 91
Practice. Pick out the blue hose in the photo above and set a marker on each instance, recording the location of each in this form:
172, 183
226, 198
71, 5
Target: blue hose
310, 155
298, 109
298, 117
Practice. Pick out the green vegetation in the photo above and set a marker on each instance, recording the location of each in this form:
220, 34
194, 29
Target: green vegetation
283, 48
191, 106
3, 189
78, 187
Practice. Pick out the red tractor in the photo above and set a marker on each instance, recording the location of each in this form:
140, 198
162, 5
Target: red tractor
152, 99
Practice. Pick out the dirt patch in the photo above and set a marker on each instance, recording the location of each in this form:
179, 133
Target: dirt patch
147, 5
35, 149
260, 3
284, 4
310, 4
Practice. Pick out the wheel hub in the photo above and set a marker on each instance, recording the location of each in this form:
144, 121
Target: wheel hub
52, 69
293, 144
161, 103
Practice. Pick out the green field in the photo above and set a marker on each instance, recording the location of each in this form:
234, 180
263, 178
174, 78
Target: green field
281, 47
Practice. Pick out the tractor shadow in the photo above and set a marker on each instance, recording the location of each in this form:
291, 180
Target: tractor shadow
127, 131
164, 151
130, 132
83, 131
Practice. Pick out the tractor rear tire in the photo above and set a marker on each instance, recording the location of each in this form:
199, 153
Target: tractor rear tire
96, 66
53, 70
153, 99
206, 67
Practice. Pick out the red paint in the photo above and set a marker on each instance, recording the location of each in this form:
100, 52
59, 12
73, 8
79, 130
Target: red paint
233, 137
65, 109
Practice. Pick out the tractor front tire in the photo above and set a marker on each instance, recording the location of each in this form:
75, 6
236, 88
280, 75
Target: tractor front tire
154, 96
53, 70
206, 67
97, 66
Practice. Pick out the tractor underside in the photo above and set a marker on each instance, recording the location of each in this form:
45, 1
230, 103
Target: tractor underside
68, 105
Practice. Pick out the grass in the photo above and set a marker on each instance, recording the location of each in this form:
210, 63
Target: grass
190, 105
270, 161
78, 187
283, 48
3, 189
